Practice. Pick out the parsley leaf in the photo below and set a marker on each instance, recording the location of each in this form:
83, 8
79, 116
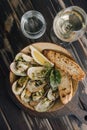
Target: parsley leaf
55, 79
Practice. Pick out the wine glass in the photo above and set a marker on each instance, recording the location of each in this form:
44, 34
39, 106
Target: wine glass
33, 24
69, 25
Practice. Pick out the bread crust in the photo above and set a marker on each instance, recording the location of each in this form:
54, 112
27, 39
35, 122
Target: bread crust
65, 63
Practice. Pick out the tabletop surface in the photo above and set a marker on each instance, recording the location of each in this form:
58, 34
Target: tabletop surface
12, 41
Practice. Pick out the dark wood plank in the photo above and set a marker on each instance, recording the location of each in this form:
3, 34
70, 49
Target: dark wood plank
80, 3
3, 122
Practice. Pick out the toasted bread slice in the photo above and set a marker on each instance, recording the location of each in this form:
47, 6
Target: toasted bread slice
66, 64
65, 89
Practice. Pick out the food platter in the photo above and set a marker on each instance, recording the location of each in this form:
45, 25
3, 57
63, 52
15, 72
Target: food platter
58, 107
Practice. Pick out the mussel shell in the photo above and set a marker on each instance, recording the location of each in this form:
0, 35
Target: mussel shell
36, 96
25, 96
16, 71
17, 91
25, 57
36, 73
32, 87
19, 85
44, 105
50, 95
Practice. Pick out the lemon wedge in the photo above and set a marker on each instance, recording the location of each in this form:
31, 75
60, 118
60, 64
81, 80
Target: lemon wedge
39, 57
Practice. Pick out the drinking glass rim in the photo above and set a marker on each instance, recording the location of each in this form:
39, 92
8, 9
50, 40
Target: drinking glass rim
76, 7
70, 8
37, 14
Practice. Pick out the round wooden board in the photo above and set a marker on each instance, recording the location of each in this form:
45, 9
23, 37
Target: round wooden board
41, 46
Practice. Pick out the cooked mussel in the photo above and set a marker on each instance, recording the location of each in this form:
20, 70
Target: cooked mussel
19, 85
25, 95
23, 57
44, 105
35, 85
36, 96
52, 95
18, 68
36, 73
21, 64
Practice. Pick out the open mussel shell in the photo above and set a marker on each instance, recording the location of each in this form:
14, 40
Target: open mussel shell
52, 96
25, 95
44, 105
31, 85
36, 96
21, 63
25, 57
17, 90
36, 73
19, 85
16, 71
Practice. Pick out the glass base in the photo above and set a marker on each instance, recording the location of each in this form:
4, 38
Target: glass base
56, 40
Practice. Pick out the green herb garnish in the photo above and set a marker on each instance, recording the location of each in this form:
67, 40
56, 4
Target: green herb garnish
55, 79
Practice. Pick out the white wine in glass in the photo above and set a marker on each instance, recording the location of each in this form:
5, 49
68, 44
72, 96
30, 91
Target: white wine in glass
70, 24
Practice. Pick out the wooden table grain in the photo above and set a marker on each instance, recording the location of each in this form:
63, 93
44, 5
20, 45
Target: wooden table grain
12, 41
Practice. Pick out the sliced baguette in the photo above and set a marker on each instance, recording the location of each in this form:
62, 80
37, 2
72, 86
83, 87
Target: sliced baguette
65, 89
66, 64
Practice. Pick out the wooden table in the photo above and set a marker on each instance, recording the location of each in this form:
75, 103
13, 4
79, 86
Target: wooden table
12, 41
